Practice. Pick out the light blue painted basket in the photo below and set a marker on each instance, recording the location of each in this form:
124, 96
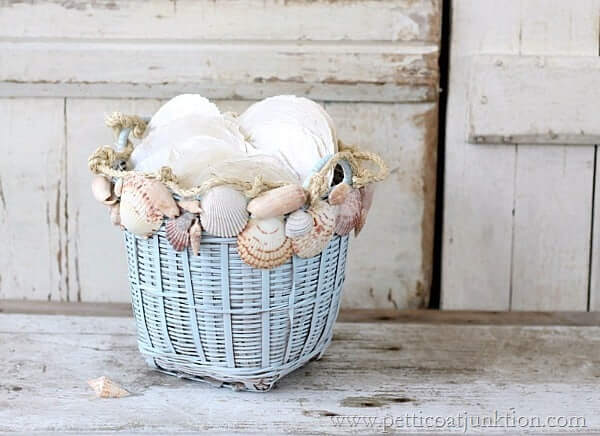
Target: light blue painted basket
213, 318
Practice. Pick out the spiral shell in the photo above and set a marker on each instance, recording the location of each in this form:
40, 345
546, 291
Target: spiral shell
298, 224
106, 388
263, 243
144, 202
349, 213
102, 190
313, 242
177, 231
195, 237
224, 212
277, 202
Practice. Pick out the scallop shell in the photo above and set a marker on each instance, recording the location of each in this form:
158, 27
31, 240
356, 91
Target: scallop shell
177, 231
298, 224
315, 241
144, 202
190, 205
195, 237
224, 211
115, 214
106, 388
277, 202
339, 193
118, 188
102, 190
366, 195
263, 243
349, 213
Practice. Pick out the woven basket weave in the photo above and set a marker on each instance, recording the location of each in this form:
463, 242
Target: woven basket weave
213, 318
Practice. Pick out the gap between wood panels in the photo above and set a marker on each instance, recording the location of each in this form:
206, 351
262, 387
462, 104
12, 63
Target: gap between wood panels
444, 73
592, 228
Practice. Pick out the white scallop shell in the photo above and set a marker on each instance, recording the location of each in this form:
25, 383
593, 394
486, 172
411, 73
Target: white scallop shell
263, 243
224, 211
177, 231
298, 224
295, 129
195, 237
315, 241
144, 202
277, 202
349, 213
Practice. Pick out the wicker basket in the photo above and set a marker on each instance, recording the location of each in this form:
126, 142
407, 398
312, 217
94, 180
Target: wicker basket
211, 317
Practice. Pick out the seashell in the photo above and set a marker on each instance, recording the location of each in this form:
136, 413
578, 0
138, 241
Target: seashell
106, 388
338, 193
115, 214
277, 202
224, 211
190, 205
177, 231
195, 237
315, 241
144, 202
101, 188
263, 243
366, 195
298, 224
118, 187
349, 213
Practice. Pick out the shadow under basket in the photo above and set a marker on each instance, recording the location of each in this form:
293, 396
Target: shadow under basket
213, 318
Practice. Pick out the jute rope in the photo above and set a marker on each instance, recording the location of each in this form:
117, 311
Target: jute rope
104, 159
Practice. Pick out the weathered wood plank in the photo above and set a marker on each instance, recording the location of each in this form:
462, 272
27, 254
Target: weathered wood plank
554, 184
371, 370
534, 100
419, 316
33, 225
390, 20
255, 68
504, 222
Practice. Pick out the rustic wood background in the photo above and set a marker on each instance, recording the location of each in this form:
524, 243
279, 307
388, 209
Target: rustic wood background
520, 227
64, 65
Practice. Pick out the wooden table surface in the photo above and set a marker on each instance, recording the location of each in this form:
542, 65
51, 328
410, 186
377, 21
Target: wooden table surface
406, 374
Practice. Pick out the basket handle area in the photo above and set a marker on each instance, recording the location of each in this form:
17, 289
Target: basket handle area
321, 163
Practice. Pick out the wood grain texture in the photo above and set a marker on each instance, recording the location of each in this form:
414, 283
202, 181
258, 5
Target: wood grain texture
505, 239
33, 225
389, 20
370, 369
534, 99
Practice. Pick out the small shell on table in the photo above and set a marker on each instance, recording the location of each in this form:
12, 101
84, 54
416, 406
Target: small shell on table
115, 214
224, 212
190, 205
366, 195
106, 388
263, 243
315, 241
177, 231
277, 202
102, 190
339, 193
144, 202
195, 237
349, 213
298, 224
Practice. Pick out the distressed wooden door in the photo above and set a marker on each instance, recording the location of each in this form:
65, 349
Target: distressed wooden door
64, 65
520, 222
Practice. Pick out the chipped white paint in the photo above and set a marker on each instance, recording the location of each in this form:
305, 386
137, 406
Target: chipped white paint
534, 99
517, 219
370, 369
374, 65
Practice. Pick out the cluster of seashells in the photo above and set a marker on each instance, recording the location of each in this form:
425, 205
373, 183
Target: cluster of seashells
270, 228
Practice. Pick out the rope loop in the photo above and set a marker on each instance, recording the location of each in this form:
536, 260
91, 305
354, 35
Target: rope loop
105, 158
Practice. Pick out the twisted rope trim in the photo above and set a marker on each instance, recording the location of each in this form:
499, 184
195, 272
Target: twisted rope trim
104, 159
